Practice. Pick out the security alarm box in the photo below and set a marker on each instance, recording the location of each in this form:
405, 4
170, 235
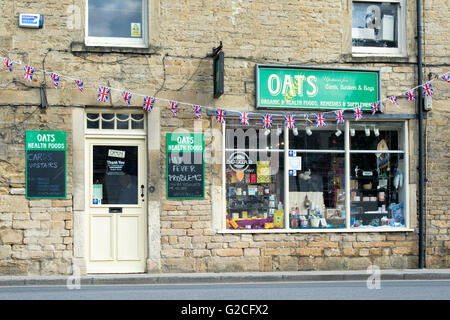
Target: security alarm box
30, 20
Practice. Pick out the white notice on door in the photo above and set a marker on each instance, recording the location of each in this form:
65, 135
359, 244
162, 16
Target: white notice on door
116, 153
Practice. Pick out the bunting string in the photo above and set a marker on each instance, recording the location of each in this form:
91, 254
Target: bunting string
320, 118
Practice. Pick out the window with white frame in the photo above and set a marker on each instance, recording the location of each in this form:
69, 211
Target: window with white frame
116, 23
377, 174
378, 27
349, 177
118, 122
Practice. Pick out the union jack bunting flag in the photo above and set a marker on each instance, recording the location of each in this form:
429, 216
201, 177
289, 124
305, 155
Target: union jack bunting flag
446, 77
394, 100
374, 107
220, 115
358, 113
148, 103
427, 89
244, 118
79, 85
55, 79
410, 95
339, 116
173, 107
103, 94
8, 63
320, 120
289, 121
127, 97
197, 111
28, 73
267, 121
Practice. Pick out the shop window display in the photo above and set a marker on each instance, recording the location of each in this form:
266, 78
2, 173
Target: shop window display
254, 179
317, 180
377, 177
303, 186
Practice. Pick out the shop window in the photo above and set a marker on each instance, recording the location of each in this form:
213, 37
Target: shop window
303, 186
377, 173
116, 23
254, 178
114, 121
316, 178
378, 27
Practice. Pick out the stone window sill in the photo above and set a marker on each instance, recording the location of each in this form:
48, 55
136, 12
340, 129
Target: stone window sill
377, 58
79, 47
375, 229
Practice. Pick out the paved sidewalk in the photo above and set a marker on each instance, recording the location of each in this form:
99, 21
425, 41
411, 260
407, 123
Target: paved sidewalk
179, 278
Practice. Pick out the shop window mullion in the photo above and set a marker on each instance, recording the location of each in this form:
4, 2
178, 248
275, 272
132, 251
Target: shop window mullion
286, 179
406, 156
224, 183
347, 174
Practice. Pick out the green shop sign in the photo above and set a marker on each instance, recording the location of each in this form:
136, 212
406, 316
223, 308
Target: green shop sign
315, 88
45, 156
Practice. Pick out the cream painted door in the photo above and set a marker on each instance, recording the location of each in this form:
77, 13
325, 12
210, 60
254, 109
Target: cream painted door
116, 206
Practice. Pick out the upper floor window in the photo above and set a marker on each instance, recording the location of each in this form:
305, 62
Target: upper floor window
378, 27
116, 23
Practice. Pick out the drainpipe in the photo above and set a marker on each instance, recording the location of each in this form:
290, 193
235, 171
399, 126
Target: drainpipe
420, 118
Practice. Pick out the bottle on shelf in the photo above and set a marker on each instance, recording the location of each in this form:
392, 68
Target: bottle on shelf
280, 205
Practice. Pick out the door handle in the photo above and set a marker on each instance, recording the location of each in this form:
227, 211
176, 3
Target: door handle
142, 192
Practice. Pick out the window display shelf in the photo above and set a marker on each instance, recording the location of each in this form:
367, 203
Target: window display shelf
245, 208
370, 190
371, 213
371, 177
248, 183
367, 202
251, 196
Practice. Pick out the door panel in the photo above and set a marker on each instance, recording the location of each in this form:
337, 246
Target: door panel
116, 205
102, 242
128, 238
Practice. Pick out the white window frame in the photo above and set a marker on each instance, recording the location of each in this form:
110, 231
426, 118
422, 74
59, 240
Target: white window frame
400, 51
119, 41
348, 152
114, 132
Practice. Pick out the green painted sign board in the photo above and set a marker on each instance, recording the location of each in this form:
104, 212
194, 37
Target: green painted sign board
46, 168
316, 88
185, 170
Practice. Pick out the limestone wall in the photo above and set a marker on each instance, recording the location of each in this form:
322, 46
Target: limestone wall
36, 236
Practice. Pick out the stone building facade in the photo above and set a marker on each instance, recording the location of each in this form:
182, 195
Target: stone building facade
51, 236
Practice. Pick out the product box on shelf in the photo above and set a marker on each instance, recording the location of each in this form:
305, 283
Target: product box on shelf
278, 218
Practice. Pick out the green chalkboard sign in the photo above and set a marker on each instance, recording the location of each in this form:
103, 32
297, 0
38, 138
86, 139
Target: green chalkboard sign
45, 164
185, 170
